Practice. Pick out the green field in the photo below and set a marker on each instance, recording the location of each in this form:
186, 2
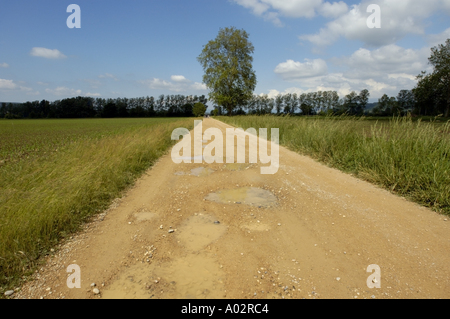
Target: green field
408, 157
56, 174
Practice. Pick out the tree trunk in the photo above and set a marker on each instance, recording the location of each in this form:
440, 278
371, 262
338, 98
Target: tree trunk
447, 111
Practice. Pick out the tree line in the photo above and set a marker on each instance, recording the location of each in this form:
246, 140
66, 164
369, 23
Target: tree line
312, 103
88, 107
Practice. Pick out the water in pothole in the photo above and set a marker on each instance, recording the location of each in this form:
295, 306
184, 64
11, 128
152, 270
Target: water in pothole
252, 196
199, 231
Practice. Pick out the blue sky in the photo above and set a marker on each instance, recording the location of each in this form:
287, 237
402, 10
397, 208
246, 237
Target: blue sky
150, 47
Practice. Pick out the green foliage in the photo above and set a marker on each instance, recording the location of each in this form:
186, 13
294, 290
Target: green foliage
433, 90
199, 109
227, 62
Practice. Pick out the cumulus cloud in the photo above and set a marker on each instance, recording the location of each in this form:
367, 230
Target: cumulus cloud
7, 84
398, 19
436, 39
333, 10
11, 85
272, 10
389, 59
4, 65
292, 70
47, 53
179, 78
178, 83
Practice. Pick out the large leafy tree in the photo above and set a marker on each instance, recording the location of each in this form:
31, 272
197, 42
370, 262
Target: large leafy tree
433, 90
227, 62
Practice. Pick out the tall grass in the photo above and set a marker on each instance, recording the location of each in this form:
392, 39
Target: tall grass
409, 158
45, 200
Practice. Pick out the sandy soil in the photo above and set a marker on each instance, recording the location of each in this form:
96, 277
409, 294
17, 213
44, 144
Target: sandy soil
308, 231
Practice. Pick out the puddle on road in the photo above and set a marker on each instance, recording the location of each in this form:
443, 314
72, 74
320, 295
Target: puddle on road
199, 231
247, 195
193, 277
201, 171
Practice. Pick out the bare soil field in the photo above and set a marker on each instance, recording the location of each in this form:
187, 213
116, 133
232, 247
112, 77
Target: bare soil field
226, 231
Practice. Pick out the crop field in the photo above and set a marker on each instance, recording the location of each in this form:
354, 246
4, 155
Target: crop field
55, 174
408, 157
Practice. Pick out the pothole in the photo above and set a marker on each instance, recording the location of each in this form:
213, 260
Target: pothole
144, 216
193, 277
199, 231
201, 171
247, 195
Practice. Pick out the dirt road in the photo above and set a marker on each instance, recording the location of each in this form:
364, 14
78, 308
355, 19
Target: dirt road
227, 231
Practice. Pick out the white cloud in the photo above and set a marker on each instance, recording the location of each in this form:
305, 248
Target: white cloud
7, 84
179, 84
199, 86
398, 19
47, 53
436, 39
108, 76
42, 83
4, 65
179, 78
11, 85
272, 10
389, 59
292, 70
333, 10
63, 91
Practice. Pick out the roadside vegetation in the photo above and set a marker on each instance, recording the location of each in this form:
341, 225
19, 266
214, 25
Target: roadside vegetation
409, 158
56, 174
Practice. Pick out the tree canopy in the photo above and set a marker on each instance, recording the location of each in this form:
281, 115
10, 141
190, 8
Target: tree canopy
434, 89
227, 62
199, 109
